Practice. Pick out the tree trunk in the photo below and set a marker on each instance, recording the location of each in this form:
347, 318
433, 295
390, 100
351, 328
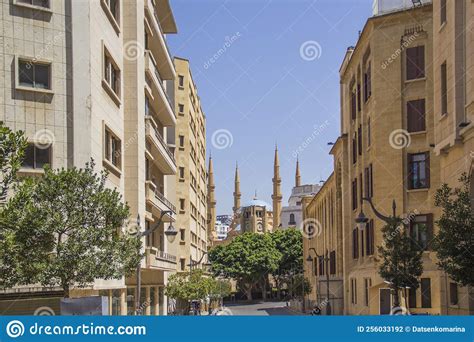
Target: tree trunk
66, 290
248, 293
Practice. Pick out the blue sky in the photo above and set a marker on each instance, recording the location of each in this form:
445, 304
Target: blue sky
273, 79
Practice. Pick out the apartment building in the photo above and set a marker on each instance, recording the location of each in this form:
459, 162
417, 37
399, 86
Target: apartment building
95, 78
453, 108
192, 177
323, 245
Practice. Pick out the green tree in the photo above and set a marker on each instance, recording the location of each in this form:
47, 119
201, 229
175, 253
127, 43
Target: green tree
188, 286
401, 258
289, 242
247, 259
66, 230
298, 284
454, 242
12, 151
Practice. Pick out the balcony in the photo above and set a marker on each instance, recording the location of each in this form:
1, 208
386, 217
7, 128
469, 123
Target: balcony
160, 100
157, 42
158, 201
159, 259
160, 154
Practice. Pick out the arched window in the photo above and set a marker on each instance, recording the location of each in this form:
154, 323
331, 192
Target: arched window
292, 219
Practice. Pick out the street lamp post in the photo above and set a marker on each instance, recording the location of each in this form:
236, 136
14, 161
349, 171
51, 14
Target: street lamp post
193, 263
362, 220
326, 262
170, 232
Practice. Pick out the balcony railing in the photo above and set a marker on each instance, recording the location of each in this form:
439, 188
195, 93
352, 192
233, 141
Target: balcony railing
165, 201
160, 137
155, 71
165, 256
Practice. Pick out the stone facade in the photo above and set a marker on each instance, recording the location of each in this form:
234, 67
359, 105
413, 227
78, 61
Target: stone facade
389, 123
95, 78
192, 177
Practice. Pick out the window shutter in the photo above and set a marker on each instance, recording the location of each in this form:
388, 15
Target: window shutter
362, 242
420, 61
429, 230
411, 56
409, 172
427, 168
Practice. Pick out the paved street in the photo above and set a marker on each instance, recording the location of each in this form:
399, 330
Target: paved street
260, 309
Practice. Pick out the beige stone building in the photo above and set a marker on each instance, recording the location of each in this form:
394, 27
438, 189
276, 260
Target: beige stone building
95, 79
405, 129
453, 110
191, 178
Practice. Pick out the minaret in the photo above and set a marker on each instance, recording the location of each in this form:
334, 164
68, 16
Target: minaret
276, 197
211, 202
237, 193
297, 175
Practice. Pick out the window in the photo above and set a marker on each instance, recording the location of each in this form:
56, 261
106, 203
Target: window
453, 293
354, 149
425, 292
354, 291
39, 3
112, 148
36, 156
367, 286
443, 12
359, 139
34, 75
355, 243
353, 105
444, 89
181, 81
367, 83
182, 262
369, 238
182, 204
321, 265
361, 190
181, 172
182, 234
415, 62
419, 170
416, 115
181, 108
412, 298
362, 249
181, 141
369, 133
354, 194
332, 262
359, 102
292, 219
369, 186
112, 9
421, 230
111, 73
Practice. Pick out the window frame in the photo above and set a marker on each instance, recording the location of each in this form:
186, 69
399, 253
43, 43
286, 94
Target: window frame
425, 293
444, 88
416, 115
33, 61
108, 150
33, 144
106, 82
47, 9
413, 69
411, 163
114, 21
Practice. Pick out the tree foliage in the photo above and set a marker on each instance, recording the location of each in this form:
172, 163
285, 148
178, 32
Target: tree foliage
64, 229
195, 285
401, 258
296, 286
12, 151
247, 259
289, 242
454, 242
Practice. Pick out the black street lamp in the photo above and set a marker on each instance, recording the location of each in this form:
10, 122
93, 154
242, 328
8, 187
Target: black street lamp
170, 233
326, 261
362, 220
193, 263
